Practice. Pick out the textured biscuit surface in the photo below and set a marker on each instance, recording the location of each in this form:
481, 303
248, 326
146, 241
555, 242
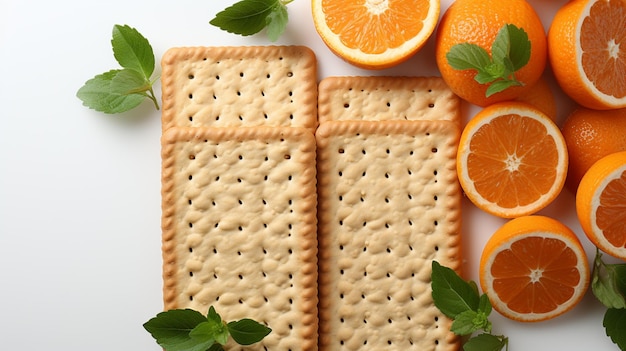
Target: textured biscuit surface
239, 228
389, 204
387, 98
239, 86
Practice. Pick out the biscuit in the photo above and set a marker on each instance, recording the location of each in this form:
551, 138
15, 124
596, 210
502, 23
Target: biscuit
239, 228
387, 98
389, 204
239, 86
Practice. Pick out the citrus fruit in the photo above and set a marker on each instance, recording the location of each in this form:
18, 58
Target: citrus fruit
534, 268
590, 135
541, 96
601, 204
375, 34
512, 159
588, 53
478, 22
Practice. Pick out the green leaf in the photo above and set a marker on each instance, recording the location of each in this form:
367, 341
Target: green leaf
451, 294
276, 21
500, 85
608, 283
132, 50
520, 47
109, 93
510, 51
210, 332
171, 329
615, 324
246, 17
247, 331
485, 342
468, 56
464, 323
501, 45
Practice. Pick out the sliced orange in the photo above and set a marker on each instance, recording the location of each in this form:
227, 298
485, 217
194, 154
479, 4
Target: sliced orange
375, 34
587, 50
512, 159
601, 204
534, 268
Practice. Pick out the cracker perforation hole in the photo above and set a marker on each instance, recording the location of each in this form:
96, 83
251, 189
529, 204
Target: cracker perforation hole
431, 105
190, 96
434, 150
191, 76
190, 118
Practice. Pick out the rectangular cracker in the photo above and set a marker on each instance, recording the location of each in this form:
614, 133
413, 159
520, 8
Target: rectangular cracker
239, 228
389, 204
387, 98
239, 86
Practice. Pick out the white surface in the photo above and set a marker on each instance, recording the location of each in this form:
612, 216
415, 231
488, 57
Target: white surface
80, 259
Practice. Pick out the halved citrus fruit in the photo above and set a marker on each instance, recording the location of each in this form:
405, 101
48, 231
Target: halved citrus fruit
534, 268
587, 50
512, 159
601, 204
375, 34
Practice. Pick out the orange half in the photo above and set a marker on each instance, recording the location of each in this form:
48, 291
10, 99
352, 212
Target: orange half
375, 34
601, 204
534, 268
587, 50
512, 160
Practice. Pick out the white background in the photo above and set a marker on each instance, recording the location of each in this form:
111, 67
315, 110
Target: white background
80, 245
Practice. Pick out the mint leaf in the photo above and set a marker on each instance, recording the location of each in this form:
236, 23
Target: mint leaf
120, 90
500, 85
510, 51
277, 21
451, 294
464, 323
615, 324
248, 17
468, 56
501, 45
109, 94
210, 332
608, 283
132, 50
247, 331
520, 46
171, 329
485, 342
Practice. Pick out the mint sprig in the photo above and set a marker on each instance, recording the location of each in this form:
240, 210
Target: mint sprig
460, 301
248, 17
510, 51
189, 330
120, 90
608, 284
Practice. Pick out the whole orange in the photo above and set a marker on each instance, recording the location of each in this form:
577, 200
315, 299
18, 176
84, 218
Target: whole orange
478, 22
591, 135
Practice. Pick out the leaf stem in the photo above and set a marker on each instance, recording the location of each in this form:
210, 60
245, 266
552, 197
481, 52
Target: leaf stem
153, 98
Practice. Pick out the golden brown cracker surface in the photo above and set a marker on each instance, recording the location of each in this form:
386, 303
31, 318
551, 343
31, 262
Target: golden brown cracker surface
239, 86
387, 98
239, 228
389, 204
